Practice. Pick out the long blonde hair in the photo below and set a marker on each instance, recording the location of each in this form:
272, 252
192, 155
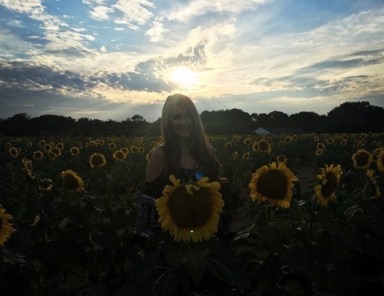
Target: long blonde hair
200, 148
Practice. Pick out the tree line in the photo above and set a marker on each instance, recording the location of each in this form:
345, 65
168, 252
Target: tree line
349, 117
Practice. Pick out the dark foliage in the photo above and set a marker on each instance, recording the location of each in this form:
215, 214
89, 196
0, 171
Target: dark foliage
349, 117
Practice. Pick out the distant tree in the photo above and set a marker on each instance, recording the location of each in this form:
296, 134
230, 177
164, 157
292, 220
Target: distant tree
278, 119
356, 117
233, 121
17, 125
308, 121
53, 125
348, 117
138, 118
272, 119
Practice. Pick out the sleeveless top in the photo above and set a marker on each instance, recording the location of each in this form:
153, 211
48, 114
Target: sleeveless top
146, 224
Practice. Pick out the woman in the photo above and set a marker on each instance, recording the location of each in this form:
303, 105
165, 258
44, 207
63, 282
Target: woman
185, 153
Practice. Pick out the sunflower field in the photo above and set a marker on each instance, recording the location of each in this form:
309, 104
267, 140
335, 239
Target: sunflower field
306, 216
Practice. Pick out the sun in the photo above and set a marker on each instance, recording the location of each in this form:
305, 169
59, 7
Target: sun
184, 77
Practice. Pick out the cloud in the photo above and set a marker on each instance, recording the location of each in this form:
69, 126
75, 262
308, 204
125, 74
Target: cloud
157, 31
134, 11
100, 13
358, 59
184, 13
34, 8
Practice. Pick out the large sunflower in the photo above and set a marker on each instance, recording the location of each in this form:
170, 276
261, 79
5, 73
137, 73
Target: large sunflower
362, 159
190, 212
6, 228
274, 183
329, 178
72, 181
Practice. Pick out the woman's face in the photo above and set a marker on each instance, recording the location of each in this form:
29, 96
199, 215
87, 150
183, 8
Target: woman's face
181, 122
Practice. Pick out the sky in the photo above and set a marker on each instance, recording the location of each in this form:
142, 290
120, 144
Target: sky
113, 59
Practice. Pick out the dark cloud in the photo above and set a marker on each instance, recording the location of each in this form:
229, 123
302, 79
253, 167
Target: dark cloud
36, 103
358, 59
23, 75
305, 78
194, 56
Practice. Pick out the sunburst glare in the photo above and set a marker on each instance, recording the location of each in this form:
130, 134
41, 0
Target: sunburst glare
184, 77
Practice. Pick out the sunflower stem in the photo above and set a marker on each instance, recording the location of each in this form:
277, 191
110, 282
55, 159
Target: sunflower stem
311, 217
267, 212
185, 283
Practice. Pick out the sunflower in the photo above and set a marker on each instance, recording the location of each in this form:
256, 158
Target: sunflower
134, 149
264, 146
380, 161
329, 178
274, 183
320, 146
190, 212
362, 159
97, 160
72, 181
319, 152
282, 158
75, 150
6, 228
42, 143
125, 150
247, 141
235, 155
27, 163
375, 187
119, 155
52, 155
47, 147
287, 139
60, 145
46, 185
13, 152
56, 151
37, 155
245, 156
112, 146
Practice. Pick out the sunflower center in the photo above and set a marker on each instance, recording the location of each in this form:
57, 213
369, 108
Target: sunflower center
71, 182
273, 184
190, 211
330, 186
97, 160
362, 159
263, 145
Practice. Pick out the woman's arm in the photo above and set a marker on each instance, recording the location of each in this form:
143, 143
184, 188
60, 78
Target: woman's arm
155, 164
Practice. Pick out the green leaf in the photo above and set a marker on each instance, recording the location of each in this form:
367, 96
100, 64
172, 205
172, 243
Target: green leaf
226, 268
191, 257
